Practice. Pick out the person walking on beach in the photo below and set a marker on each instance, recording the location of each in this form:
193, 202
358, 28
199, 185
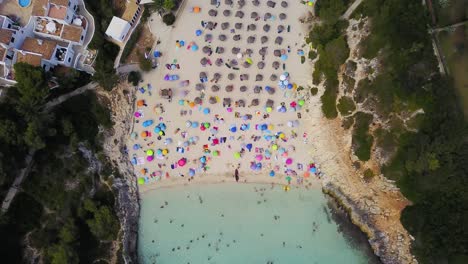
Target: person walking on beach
236, 175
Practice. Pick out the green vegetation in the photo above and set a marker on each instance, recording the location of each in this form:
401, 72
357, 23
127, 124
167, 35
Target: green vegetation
134, 78
131, 42
145, 64
53, 204
429, 165
346, 106
313, 91
362, 141
368, 175
169, 19
107, 51
163, 5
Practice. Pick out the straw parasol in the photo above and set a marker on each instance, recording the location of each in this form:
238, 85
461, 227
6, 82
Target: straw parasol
273, 77
222, 37
212, 100
198, 100
256, 2
249, 52
213, 12
239, 14
235, 50
263, 51
280, 28
275, 65
219, 62
203, 61
227, 101
208, 37
228, 2
231, 76
209, 25
246, 64
270, 90
257, 89
215, 88
269, 103
251, 39
241, 3
202, 75
261, 65
264, 39
244, 77
234, 62
282, 16
277, 52
255, 102
267, 16
279, 40
266, 28
284, 4
206, 49
253, 15
199, 87
217, 76
251, 27
220, 50
259, 78
236, 37
238, 25
241, 103
214, 2
271, 4
227, 12
224, 25
243, 88
229, 88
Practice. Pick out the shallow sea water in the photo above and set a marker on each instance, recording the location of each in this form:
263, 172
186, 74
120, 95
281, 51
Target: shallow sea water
242, 223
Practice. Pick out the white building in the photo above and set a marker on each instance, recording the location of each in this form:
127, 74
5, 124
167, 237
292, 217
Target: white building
118, 29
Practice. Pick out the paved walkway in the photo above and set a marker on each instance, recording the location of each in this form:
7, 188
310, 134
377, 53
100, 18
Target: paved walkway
351, 9
63, 98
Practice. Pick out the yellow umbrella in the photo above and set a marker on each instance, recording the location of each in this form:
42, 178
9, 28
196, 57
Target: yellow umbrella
248, 60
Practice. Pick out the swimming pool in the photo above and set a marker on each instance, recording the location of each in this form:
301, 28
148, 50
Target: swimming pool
24, 3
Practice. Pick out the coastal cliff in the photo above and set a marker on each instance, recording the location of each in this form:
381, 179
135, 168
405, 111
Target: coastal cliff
120, 101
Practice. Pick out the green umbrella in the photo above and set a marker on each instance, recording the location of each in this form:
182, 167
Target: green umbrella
141, 181
288, 178
207, 125
149, 152
237, 155
301, 102
215, 153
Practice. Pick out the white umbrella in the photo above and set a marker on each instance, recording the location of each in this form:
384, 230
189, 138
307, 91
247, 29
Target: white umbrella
50, 27
282, 77
239, 55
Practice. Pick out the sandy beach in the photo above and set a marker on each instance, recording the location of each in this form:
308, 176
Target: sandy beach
227, 115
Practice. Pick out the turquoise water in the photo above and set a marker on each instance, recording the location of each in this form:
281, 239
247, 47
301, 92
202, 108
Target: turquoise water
24, 3
241, 223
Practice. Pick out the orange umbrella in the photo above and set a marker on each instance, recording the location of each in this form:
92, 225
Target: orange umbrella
140, 102
192, 104
306, 174
144, 134
196, 9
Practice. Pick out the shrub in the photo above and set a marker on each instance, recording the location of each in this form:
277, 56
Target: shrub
134, 77
132, 42
346, 106
314, 90
145, 64
329, 104
368, 175
312, 55
169, 19
362, 141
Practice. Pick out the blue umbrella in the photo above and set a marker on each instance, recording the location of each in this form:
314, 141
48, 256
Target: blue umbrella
249, 146
182, 43
272, 173
191, 172
233, 129
203, 159
194, 47
194, 124
157, 54
284, 57
206, 111
136, 146
198, 32
313, 170
157, 129
147, 123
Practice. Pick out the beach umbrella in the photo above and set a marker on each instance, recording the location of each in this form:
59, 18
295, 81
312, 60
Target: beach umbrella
254, 102
203, 159
134, 135
249, 147
147, 123
280, 28
241, 103
241, 3
301, 102
204, 61
209, 25
191, 172
253, 15
288, 178
208, 37
267, 153
256, 2
289, 161
272, 173
145, 134
277, 52
188, 124
284, 4
239, 14
196, 9
282, 16
236, 38
224, 25
274, 147
206, 125
313, 170
257, 89
137, 114
182, 162
167, 141
243, 88
259, 77
206, 49
261, 65
279, 41
212, 100
149, 158
284, 57
149, 152
249, 60
267, 15
264, 39
250, 39
229, 88
140, 103
270, 90
228, 2
222, 37
198, 100
275, 65
238, 26
237, 155
136, 147
231, 76
214, 88
249, 52
271, 4
141, 181
213, 12
263, 51
259, 157
266, 28
244, 77
198, 32
199, 87
206, 111
194, 47
157, 54
251, 27
227, 12
215, 153
273, 77
233, 129
235, 50
227, 101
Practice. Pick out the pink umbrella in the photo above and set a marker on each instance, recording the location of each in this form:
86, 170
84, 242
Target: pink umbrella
149, 158
137, 114
182, 162
293, 104
289, 161
259, 157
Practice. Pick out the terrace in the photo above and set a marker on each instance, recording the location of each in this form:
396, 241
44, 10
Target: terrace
48, 27
60, 53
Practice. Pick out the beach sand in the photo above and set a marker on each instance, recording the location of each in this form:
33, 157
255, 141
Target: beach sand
297, 143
